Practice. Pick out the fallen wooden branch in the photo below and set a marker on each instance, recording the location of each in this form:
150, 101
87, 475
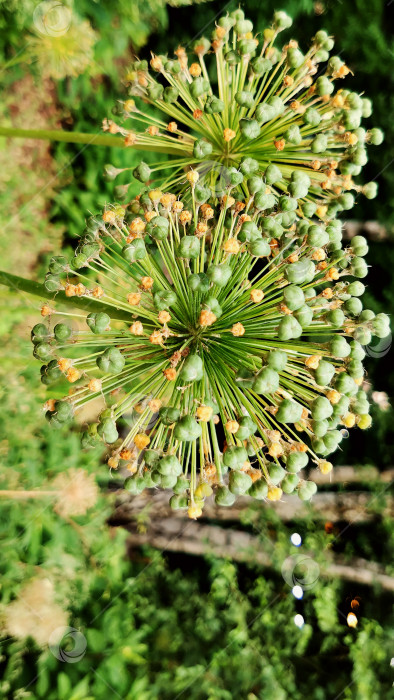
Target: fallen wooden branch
175, 535
352, 507
372, 229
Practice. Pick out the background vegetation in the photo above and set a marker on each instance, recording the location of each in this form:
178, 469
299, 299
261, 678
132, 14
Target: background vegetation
157, 625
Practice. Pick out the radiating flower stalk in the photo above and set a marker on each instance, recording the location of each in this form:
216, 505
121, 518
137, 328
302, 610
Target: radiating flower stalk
229, 346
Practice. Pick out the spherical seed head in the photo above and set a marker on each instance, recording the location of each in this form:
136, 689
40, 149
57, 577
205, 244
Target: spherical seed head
167, 200
204, 413
201, 228
170, 374
229, 134
238, 330
207, 318
324, 466
141, 441
207, 212
256, 295
274, 493
164, 317
146, 283
232, 426
155, 195
134, 298
275, 449
231, 246
156, 338
137, 328
177, 207
193, 177
154, 405
364, 421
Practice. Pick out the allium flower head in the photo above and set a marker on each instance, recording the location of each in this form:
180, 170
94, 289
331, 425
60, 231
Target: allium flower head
266, 105
35, 613
225, 336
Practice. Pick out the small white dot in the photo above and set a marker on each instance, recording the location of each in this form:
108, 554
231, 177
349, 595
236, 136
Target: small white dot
392, 662
296, 539
299, 621
297, 592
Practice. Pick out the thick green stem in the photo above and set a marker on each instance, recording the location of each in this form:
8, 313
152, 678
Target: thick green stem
39, 290
66, 136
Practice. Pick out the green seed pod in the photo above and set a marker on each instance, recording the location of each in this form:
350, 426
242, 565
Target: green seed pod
319, 427
142, 172
339, 347
353, 306
182, 484
98, 322
164, 299
198, 88
321, 408
271, 227
356, 289
107, 430
62, 332
309, 208
243, 26
289, 328
201, 194
219, 274
224, 497
156, 477
192, 369
359, 246
324, 373
189, 247
244, 98
375, 137
355, 369
345, 384
155, 92
332, 440
296, 461
260, 248
249, 232
134, 484
336, 318
235, 177
298, 189
352, 119
312, 117
134, 251
239, 482
370, 190
171, 94
213, 305
300, 272
304, 316
277, 360
260, 65
306, 490
317, 236
381, 325
249, 166
247, 427
366, 315
158, 228
264, 201
258, 490
169, 465
42, 351
272, 175
151, 458
111, 361
342, 406
324, 86
289, 483
214, 105
363, 335
321, 56
276, 473
169, 415
289, 411
187, 429
78, 261
39, 332
295, 58
198, 282
255, 184
366, 107
319, 144
293, 297
247, 47
266, 382
357, 352
89, 437
287, 203
178, 502
52, 283
57, 265
168, 481
244, 378
250, 128
234, 457
232, 58
264, 113
359, 267
282, 20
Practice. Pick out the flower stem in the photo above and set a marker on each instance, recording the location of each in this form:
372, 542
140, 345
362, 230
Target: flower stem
66, 136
